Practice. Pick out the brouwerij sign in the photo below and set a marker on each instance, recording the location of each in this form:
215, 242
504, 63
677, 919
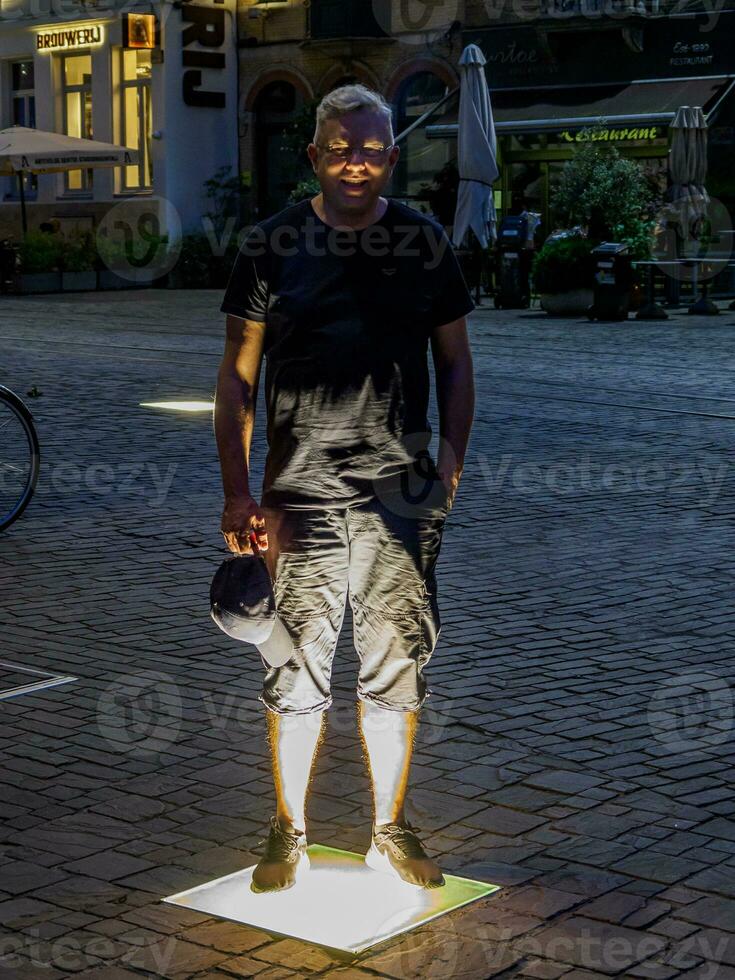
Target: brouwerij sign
70, 37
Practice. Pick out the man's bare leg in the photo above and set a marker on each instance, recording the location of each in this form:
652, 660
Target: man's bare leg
294, 742
388, 740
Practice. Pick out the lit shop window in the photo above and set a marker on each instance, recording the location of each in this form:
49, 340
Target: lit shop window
137, 117
24, 109
76, 73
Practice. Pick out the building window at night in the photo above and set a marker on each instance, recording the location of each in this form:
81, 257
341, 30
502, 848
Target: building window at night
276, 108
136, 116
76, 74
420, 161
24, 112
24, 101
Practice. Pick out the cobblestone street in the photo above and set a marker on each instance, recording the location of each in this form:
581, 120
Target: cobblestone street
577, 748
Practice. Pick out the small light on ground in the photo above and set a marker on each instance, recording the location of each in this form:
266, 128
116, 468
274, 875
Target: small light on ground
340, 903
185, 406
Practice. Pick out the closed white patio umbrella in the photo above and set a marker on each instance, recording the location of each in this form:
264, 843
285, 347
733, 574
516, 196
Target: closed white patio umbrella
24, 150
476, 151
688, 169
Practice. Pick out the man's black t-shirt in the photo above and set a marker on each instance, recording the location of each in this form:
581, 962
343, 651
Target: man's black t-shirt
348, 316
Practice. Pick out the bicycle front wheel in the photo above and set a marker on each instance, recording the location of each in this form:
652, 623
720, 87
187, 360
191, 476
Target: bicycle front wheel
20, 457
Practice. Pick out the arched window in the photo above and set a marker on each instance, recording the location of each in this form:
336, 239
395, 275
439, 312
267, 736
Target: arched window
416, 95
420, 159
276, 107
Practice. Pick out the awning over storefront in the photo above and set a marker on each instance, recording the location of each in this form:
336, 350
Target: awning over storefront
637, 104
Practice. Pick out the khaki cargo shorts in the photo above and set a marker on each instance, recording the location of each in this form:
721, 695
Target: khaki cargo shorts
383, 559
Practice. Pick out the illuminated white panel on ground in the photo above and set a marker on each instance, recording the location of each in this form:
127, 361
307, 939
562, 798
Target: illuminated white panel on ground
340, 903
184, 406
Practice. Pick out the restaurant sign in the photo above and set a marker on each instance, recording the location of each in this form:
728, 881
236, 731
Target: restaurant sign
619, 135
70, 37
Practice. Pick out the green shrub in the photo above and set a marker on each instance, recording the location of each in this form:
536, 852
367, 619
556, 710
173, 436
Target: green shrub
305, 189
229, 196
40, 251
563, 265
608, 194
78, 252
193, 263
136, 258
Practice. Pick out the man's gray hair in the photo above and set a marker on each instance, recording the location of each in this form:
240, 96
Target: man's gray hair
348, 98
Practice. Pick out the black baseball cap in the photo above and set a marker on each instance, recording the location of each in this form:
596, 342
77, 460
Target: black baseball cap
243, 605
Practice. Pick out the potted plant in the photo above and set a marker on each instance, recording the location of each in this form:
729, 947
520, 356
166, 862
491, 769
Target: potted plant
78, 254
39, 262
609, 196
563, 272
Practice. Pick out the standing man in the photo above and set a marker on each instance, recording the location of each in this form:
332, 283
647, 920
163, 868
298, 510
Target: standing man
343, 294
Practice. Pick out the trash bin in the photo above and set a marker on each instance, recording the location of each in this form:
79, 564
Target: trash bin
513, 291
613, 280
8, 265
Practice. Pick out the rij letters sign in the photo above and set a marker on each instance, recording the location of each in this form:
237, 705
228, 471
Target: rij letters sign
204, 28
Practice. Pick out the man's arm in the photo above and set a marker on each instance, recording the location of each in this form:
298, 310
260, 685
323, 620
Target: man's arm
455, 395
234, 418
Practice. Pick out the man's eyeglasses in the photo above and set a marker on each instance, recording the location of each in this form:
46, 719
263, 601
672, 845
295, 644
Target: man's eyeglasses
343, 151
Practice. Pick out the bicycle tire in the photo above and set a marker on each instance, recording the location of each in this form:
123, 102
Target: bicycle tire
26, 419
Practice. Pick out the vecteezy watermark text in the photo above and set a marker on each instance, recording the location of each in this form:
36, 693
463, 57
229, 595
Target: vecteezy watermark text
64, 479
509, 474
410, 240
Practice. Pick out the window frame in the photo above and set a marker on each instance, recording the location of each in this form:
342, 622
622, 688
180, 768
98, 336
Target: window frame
145, 164
80, 88
28, 97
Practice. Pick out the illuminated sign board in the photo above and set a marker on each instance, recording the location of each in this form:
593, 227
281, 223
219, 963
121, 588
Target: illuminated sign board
70, 38
139, 30
614, 135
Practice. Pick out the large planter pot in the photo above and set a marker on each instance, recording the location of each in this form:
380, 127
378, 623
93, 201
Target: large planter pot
78, 281
40, 282
575, 302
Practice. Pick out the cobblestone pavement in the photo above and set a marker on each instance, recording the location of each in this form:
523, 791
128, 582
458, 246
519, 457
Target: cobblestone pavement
577, 749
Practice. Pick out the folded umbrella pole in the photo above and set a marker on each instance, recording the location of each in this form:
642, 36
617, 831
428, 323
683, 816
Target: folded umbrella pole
476, 152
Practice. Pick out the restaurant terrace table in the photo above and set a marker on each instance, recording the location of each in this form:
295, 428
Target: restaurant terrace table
704, 305
731, 234
651, 310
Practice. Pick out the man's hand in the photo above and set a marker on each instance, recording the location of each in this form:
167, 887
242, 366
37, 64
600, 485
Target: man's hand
451, 483
240, 516
455, 393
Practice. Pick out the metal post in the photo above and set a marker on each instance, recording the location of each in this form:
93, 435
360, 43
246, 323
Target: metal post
24, 217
